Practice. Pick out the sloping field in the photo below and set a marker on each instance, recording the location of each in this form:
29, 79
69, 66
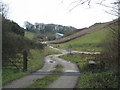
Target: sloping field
82, 33
89, 42
92, 41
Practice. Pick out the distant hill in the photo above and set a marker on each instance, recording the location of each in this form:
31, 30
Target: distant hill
49, 30
93, 28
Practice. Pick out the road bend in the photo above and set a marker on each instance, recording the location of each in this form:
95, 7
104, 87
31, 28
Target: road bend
68, 78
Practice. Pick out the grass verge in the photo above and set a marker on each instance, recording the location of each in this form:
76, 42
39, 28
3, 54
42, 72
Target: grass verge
43, 82
35, 61
10, 74
106, 79
88, 79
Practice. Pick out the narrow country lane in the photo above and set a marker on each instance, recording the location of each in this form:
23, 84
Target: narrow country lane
29, 79
67, 80
70, 80
50, 62
70, 76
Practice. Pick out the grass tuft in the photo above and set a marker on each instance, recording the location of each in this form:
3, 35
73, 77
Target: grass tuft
43, 82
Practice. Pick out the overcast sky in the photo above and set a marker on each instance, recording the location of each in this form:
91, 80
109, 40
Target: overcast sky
56, 12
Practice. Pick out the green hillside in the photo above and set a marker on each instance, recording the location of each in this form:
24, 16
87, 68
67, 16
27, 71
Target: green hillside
92, 41
29, 35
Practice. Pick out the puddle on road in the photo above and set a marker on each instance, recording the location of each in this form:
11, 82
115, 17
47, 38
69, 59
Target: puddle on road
50, 61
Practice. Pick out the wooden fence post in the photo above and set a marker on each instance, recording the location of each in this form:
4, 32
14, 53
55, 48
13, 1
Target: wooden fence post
70, 49
25, 61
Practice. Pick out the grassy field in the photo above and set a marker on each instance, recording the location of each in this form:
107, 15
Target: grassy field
35, 62
88, 79
29, 35
89, 42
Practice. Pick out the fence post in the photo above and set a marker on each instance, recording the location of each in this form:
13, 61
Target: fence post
69, 49
25, 61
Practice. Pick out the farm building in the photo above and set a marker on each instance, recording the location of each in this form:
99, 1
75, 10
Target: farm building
59, 35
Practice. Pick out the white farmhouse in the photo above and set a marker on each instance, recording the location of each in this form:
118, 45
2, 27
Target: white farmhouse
59, 35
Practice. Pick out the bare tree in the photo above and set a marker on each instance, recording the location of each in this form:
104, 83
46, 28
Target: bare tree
4, 9
113, 6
